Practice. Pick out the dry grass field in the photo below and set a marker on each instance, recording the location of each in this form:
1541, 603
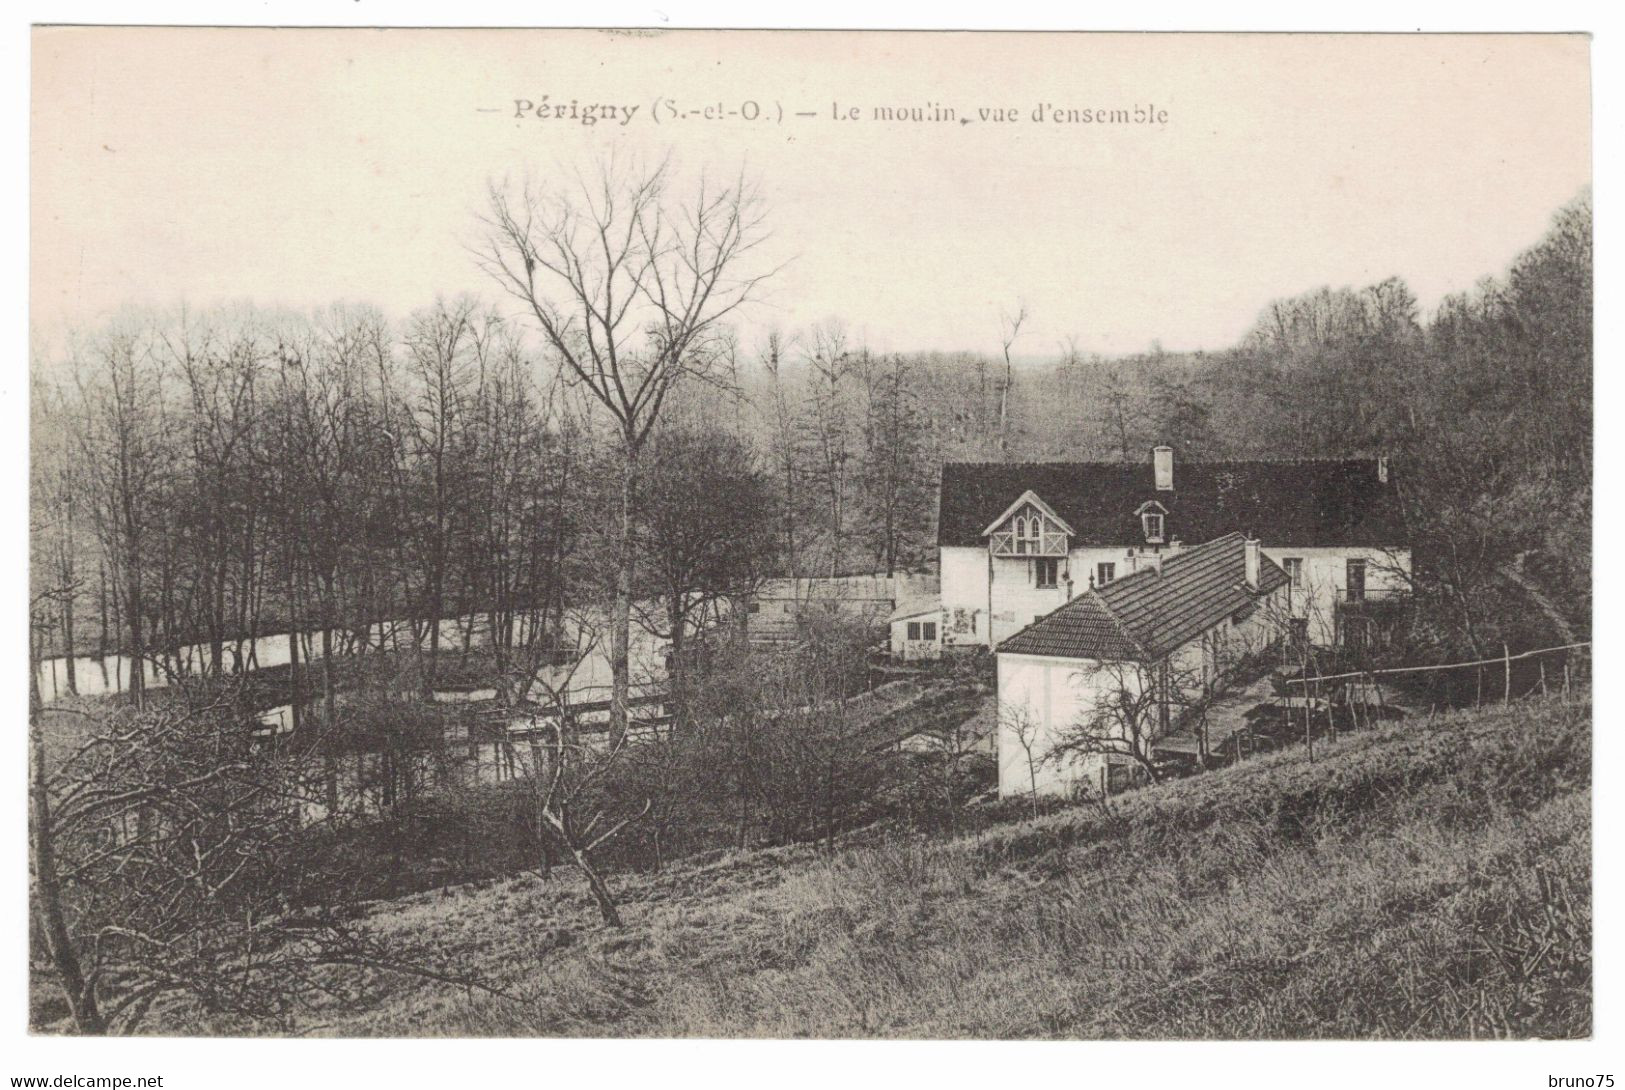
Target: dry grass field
1426, 880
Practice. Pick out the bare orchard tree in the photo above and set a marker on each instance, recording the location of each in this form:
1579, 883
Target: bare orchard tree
170, 872
630, 286
1019, 722
46, 886
1137, 705
566, 765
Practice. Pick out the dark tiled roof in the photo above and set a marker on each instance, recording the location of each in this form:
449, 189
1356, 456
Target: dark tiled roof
1287, 503
1144, 616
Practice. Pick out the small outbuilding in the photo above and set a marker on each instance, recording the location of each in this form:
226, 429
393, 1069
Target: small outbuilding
916, 629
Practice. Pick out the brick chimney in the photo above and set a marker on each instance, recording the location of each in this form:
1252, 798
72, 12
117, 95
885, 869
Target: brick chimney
1250, 549
1162, 465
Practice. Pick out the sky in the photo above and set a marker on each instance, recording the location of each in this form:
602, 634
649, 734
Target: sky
303, 167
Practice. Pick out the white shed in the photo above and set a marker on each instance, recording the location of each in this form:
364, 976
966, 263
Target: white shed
916, 629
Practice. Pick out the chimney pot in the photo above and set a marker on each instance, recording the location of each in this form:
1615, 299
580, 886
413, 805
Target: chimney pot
1250, 548
1382, 469
1162, 465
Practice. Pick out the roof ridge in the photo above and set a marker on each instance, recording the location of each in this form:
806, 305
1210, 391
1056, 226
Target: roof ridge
1117, 622
1292, 502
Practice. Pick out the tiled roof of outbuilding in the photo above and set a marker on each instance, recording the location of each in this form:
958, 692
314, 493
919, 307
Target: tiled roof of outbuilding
1144, 616
1289, 503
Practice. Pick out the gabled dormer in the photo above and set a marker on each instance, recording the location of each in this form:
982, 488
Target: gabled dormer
1028, 527
1153, 522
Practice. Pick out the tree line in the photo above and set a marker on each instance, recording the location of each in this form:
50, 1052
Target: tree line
206, 478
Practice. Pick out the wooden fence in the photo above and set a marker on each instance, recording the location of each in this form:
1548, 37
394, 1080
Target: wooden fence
1361, 693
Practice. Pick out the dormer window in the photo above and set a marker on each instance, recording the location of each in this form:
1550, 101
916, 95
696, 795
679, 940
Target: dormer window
1152, 519
1028, 527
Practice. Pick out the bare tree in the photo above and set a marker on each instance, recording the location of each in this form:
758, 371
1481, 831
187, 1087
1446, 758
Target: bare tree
1137, 705
47, 883
331, 451
527, 465
169, 867
1116, 408
128, 452
217, 510
894, 468
630, 288
566, 766
1019, 721
1009, 330
786, 450
437, 348
829, 368
56, 488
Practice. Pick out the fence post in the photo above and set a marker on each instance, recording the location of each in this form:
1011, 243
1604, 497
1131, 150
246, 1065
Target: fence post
1308, 722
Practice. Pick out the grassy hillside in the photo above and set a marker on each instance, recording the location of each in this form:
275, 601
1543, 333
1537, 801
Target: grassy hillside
1424, 880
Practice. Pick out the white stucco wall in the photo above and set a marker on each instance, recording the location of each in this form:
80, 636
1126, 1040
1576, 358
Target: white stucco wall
1017, 598
964, 595
1325, 580
1048, 695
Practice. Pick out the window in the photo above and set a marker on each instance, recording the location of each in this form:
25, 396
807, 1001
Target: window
1048, 571
1152, 522
1356, 580
1294, 570
1028, 534
914, 630
1105, 573
928, 631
